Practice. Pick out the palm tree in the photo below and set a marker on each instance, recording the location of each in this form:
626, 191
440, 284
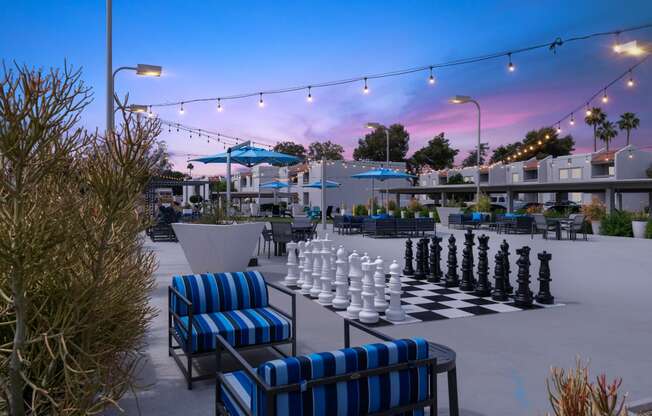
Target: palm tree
607, 132
595, 118
628, 122
190, 167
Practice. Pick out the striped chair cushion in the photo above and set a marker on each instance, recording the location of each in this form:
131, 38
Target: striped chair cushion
219, 292
240, 383
238, 328
356, 397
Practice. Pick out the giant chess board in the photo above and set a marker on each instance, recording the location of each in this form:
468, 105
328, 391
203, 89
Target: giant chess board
424, 301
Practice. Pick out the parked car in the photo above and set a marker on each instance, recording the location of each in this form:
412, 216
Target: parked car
572, 208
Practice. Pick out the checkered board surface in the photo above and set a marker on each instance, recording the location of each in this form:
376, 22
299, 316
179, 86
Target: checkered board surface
424, 301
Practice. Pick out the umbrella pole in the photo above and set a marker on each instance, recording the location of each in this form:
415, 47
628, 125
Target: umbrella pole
371, 203
228, 181
323, 194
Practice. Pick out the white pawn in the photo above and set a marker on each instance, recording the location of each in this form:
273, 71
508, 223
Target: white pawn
368, 314
395, 311
355, 290
379, 281
291, 278
302, 261
341, 300
307, 269
326, 294
316, 269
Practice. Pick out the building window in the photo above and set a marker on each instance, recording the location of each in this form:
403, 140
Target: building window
612, 170
570, 173
575, 197
515, 177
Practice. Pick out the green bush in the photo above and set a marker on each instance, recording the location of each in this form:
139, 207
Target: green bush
392, 205
455, 179
484, 204
436, 215
648, 229
196, 199
360, 210
618, 223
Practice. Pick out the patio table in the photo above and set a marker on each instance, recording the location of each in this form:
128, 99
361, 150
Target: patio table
558, 222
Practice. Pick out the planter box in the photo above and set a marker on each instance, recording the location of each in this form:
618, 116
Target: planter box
444, 212
187, 211
218, 248
638, 227
639, 406
595, 226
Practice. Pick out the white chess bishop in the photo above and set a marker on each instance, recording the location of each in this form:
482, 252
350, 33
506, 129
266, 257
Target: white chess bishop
291, 278
302, 261
316, 269
380, 303
395, 312
307, 269
326, 294
341, 300
355, 289
368, 314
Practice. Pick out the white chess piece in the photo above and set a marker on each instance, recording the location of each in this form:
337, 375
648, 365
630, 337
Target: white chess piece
395, 311
333, 263
379, 281
302, 261
341, 300
316, 269
307, 269
355, 275
368, 314
291, 278
326, 294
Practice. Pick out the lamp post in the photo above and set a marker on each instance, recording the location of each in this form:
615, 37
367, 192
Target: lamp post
463, 99
141, 69
374, 125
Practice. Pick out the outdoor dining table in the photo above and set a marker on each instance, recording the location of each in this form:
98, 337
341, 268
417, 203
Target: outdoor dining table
301, 232
558, 222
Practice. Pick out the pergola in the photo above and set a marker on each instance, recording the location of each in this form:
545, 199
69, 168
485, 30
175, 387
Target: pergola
156, 183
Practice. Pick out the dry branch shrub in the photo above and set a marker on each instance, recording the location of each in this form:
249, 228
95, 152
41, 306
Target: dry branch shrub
74, 275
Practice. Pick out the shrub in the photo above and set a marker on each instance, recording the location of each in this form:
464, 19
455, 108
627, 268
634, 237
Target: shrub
392, 205
640, 216
414, 205
424, 212
381, 210
195, 199
436, 215
618, 223
360, 210
455, 179
648, 229
484, 204
595, 211
534, 209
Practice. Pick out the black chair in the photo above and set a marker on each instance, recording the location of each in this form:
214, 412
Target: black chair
267, 241
541, 225
281, 235
329, 212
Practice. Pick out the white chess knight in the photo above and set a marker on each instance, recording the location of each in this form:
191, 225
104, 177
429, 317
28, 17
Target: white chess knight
395, 311
302, 261
341, 300
379, 282
307, 269
291, 278
326, 294
316, 269
355, 275
368, 314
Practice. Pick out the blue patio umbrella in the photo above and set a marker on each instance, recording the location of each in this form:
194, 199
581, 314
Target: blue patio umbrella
381, 174
329, 184
275, 185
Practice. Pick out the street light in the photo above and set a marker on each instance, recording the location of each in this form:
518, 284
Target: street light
463, 99
137, 108
144, 70
374, 125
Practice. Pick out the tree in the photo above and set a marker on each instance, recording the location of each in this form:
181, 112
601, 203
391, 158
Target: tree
325, 150
190, 167
374, 145
607, 132
595, 117
160, 158
539, 143
437, 154
503, 151
291, 148
472, 158
628, 122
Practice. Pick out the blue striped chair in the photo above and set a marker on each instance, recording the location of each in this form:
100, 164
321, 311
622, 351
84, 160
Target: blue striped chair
234, 306
392, 377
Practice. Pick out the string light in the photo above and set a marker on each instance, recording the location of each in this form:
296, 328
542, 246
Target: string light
630, 81
588, 110
219, 105
547, 136
365, 90
558, 128
572, 119
309, 98
431, 79
605, 98
261, 103
181, 110
511, 66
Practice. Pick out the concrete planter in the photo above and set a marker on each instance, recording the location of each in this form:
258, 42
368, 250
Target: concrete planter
417, 215
638, 227
595, 226
444, 212
638, 407
187, 211
403, 214
218, 248
431, 214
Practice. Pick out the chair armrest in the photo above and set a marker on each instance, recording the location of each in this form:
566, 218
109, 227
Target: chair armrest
347, 332
175, 317
180, 296
281, 288
241, 363
293, 299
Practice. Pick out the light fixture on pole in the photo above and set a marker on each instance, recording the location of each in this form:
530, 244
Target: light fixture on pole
372, 126
629, 48
464, 99
138, 108
144, 70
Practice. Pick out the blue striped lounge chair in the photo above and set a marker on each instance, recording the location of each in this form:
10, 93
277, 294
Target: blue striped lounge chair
386, 378
234, 306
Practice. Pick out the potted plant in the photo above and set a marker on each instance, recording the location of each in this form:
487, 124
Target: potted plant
639, 223
484, 204
187, 209
595, 213
424, 213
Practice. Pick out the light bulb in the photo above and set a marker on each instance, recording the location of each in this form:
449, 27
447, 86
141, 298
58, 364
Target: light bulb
309, 98
605, 98
511, 66
630, 82
539, 142
365, 90
181, 110
219, 105
558, 129
588, 112
431, 79
261, 103
572, 120
547, 136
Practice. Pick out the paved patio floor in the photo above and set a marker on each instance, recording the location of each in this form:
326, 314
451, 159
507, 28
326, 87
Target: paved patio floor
503, 359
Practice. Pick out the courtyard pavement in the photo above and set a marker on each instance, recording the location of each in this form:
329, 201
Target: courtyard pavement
503, 359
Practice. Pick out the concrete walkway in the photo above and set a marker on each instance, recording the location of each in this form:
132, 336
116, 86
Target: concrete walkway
503, 359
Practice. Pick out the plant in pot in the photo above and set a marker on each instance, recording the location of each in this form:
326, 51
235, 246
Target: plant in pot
639, 224
484, 204
617, 224
360, 210
648, 229
391, 205
424, 213
187, 209
415, 207
595, 213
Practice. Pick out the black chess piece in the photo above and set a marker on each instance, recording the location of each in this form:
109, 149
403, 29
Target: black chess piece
544, 296
426, 254
483, 286
408, 270
420, 273
452, 279
435, 260
498, 293
467, 284
523, 294
504, 247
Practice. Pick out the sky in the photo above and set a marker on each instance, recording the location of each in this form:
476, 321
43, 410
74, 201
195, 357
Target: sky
217, 48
